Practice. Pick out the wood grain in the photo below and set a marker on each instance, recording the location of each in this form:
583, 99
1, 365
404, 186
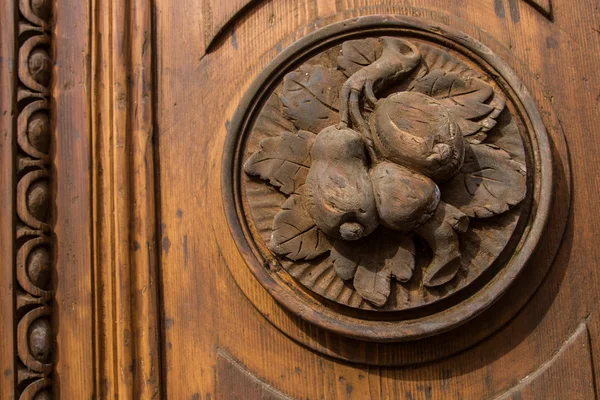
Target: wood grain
73, 316
106, 310
127, 333
543, 6
568, 374
234, 381
7, 187
201, 300
216, 15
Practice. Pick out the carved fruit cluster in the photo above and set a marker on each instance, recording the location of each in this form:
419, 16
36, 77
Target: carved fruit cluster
348, 198
365, 172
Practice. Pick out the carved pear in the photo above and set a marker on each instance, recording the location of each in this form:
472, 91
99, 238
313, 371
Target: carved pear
417, 131
404, 199
339, 195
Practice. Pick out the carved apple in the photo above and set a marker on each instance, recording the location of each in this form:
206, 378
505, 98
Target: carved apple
418, 132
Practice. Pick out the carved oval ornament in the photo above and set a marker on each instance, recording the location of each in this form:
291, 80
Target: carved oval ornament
387, 179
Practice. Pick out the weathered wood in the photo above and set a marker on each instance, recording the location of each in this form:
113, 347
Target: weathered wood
8, 61
432, 117
191, 255
125, 246
543, 6
569, 374
234, 381
223, 335
216, 15
72, 214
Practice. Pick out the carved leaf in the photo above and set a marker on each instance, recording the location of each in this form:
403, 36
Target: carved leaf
295, 234
311, 96
489, 183
506, 135
373, 261
283, 160
271, 121
372, 282
401, 259
434, 58
357, 54
471, 100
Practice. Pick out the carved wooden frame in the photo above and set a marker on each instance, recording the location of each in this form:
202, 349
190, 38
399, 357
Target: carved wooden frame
98, 165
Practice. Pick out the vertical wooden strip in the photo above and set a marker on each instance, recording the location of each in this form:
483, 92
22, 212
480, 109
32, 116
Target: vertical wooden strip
143, 223
7, 185
103, 233
128, 361
121, 147
72, 213
33, 173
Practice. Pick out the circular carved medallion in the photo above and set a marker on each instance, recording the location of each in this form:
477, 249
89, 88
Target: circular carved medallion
387, 179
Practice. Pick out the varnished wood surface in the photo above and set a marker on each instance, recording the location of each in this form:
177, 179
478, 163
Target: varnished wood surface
142, 97
573, 361
197, 95
127, 358
234, 381
73, 316
7, 208
216, 16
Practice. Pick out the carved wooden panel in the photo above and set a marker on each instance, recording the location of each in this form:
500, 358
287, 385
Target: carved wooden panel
388, 173
408, 220
196, 245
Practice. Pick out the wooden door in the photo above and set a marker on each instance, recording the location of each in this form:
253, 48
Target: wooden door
299, 199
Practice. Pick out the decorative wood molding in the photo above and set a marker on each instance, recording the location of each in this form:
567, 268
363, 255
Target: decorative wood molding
124, 232
8, 123
27, 307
